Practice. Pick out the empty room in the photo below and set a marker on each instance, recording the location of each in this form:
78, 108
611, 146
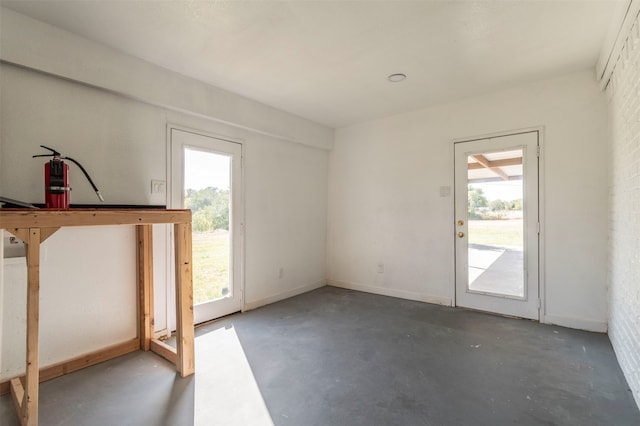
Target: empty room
225, 212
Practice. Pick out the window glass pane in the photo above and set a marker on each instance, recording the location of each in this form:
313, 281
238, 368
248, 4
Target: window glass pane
496, 223
207, 186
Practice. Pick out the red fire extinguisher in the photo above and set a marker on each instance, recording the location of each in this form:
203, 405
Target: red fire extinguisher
56, 180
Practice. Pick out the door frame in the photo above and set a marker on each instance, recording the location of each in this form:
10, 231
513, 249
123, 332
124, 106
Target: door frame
542, 313
170, 288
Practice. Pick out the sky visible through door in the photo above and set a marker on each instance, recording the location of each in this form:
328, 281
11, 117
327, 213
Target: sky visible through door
504, 190
206, 169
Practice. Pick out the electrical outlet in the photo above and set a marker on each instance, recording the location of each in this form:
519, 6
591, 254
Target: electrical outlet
158, 186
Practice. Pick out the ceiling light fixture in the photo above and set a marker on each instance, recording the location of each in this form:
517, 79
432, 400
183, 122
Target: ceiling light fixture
396, 78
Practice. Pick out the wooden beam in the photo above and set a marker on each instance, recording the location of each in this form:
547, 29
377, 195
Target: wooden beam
144, 249
486, 163
29, 218
185, 362
78, 363
88, 360
497, 163
21, 233
493, 179
165, 351
17, 395
47, 232
30, 402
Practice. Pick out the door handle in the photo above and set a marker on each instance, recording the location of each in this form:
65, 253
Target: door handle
460, 234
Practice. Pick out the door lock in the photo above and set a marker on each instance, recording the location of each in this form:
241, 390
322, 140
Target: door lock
460, 234
460, 222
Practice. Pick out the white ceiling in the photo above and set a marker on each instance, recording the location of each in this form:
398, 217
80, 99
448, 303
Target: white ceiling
328, 61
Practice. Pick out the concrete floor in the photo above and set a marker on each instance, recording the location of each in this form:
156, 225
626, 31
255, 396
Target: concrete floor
337, 357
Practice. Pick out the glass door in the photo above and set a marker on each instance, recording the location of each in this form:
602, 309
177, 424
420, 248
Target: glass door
206, 175
496, 186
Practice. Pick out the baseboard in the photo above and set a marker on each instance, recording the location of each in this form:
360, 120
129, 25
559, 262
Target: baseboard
384, 291
577, 323
282, 296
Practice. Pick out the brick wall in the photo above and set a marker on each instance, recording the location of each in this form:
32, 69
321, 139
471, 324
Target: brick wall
624, 214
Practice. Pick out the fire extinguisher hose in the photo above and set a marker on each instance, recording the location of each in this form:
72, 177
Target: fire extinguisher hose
86, 174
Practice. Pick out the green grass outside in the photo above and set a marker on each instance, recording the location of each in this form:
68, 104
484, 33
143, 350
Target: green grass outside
496, 232
210, 265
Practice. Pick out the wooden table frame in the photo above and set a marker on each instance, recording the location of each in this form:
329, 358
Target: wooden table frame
35, 226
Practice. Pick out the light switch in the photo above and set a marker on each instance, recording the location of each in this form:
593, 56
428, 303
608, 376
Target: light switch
158, 186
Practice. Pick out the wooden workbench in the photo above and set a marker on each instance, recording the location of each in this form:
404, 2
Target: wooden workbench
35, 226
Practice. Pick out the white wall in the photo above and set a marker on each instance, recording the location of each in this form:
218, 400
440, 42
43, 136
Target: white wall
34, 44
119, 134
624, 211
385, 205
286, 226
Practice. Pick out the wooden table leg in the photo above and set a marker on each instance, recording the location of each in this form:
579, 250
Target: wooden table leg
184, 300
144, 251
30, 399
